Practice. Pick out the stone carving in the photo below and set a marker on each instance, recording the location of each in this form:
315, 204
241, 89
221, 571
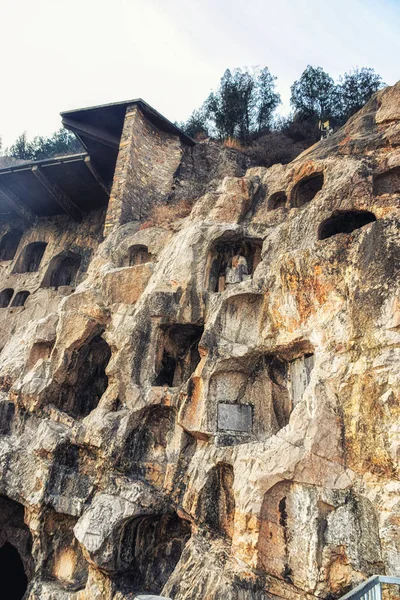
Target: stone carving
165, 434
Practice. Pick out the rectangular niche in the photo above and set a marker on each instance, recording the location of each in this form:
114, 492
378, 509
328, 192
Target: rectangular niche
299, 375
235, 417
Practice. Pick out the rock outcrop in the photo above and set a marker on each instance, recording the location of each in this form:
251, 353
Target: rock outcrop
167, 428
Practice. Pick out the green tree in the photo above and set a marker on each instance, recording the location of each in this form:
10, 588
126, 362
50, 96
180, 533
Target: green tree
356, 88
314, 95
243, 104
21, 148
268, 100
61, 142
196, 125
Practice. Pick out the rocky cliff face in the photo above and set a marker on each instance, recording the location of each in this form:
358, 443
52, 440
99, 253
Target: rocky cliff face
165, 430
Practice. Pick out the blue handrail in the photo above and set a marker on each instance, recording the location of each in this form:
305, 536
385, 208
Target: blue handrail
371, 588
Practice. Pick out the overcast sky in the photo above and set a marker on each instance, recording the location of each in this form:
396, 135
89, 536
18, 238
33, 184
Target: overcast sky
63, 55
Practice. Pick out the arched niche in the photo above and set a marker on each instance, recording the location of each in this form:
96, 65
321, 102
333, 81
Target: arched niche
345, 221
149, 550
275, 520
290, 379
231, 261
9, 245
62, 270
5, 297
305, 190
387, 182
16, 562
216, 503
86, 379
138, 254
277, 200
20, 298
30, 258
177, 353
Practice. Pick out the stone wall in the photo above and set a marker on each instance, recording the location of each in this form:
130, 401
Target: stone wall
147, 161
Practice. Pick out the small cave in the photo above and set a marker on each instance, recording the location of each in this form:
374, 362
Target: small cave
64, 561
139, 255
86, 379
306, 189
275, 522
9, 245
30, 258
39, 350
5, 297
69, 472
7, 412
149, 551
387, 182
232, 261
216, 503
16, 562
277, 200
177, 354
345, 221
289, 379
20, 298
145, 449
62, 270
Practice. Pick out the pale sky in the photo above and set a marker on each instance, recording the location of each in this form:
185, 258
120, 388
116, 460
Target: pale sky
59, 55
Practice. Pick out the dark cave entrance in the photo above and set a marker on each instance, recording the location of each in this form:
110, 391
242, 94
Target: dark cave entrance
178, 354
62, 271
9, 245
16, 562
306, 189
30, 258
87, 380
139, 255
345, 221
150, 550
216, 507
14, 581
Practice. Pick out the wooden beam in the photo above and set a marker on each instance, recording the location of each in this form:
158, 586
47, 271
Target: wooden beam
58, 194
94, 171
93, 133
16, 205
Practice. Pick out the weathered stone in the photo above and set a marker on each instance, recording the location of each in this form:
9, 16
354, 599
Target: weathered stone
168, 429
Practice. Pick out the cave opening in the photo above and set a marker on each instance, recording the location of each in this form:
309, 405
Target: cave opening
178, 355
232, 261
277, 200
387, 182
86, 380
9, 245
30, 258
306, 189
150, 549
16, 562
14, 581
20, 298
216, 506
289, 379
345, 222
5, 297
139, 255
62, 270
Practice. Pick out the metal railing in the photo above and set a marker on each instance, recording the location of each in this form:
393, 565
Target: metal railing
371, 589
